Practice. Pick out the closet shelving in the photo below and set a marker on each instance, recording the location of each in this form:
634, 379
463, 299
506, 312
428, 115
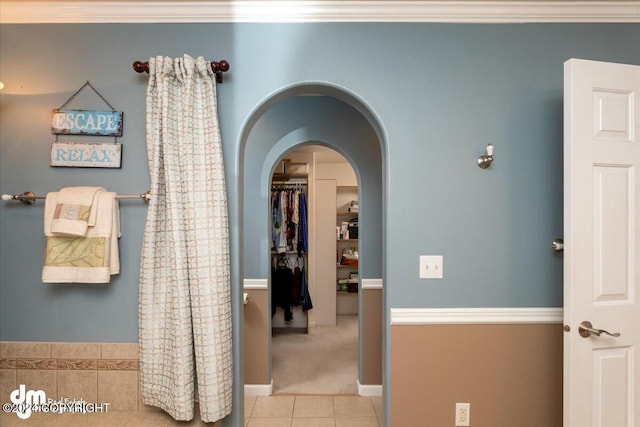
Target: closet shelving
289, 178
347, 295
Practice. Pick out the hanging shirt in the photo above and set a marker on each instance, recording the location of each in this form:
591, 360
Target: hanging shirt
295, 217
303, 244
282, 231
295, 211
276, 219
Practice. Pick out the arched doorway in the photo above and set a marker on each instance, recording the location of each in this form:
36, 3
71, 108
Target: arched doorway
295, 115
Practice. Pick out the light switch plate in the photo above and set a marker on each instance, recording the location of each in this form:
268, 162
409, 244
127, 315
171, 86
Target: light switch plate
431, 267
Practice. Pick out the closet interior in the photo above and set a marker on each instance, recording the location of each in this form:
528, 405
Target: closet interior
315, 343
290, 299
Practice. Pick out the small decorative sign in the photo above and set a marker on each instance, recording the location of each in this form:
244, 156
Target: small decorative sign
88, 155
86, 122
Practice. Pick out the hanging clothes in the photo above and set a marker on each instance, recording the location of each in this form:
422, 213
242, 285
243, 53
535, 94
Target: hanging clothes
276, 221
283, 200
305, 297
295, 288
303, 244
281, 290
289, 234
292, 224
284, 207
289, 221
295, 217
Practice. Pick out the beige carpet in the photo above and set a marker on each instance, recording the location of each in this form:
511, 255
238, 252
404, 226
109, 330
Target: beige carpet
324, 361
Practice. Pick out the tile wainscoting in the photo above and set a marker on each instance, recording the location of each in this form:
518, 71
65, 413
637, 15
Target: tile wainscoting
95, 372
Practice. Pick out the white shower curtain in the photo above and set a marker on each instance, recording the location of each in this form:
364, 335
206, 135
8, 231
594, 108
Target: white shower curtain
184, 306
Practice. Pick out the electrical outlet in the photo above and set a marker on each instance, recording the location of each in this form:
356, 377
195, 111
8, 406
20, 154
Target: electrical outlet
431, 266
463, 414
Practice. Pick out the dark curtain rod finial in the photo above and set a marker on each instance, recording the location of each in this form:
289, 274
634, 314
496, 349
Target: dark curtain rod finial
217, 67
220, 66
141, 67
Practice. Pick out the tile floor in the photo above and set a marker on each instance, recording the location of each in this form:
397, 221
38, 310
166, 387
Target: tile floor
313, 411
260, 411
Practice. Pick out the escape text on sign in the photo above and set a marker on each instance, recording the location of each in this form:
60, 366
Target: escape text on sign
87, 122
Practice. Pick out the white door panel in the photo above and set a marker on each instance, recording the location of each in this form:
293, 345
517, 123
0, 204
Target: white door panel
613, 114
602, 243
612, 239
612, 400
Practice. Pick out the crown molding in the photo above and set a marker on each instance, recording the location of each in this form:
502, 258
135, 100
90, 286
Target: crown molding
475, 11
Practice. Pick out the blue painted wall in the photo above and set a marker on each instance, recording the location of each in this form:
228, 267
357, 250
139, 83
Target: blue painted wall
441, 92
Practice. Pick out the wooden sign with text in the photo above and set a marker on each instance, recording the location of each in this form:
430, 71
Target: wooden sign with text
86, 122
86, 155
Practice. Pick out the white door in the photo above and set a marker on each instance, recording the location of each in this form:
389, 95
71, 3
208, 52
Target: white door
602, 243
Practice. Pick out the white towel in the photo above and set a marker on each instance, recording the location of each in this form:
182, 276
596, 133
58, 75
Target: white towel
75, 210
91, 258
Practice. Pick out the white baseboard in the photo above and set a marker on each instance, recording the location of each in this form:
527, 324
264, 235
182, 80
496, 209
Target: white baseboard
256, 284
267, 389
258, 389
369, 390
371, 283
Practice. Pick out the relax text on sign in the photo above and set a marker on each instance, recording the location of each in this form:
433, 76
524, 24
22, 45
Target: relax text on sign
87, 122
86, 155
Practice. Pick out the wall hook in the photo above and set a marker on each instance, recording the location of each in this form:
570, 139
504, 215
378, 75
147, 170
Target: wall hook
485, 160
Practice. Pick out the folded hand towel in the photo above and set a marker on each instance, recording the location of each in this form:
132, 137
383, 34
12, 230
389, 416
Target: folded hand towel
75, 210
92, 258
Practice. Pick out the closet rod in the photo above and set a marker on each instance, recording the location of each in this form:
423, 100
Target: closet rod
294, 183
29, 198
217, 67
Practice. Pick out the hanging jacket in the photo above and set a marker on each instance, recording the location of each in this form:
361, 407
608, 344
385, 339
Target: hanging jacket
305, 298
281, 285
295, 289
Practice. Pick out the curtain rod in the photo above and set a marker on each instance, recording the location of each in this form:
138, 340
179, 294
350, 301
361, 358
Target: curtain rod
217, 67
29, 198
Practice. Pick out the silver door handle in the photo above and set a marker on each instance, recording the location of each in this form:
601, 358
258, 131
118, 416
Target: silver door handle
558, 245
586, 329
